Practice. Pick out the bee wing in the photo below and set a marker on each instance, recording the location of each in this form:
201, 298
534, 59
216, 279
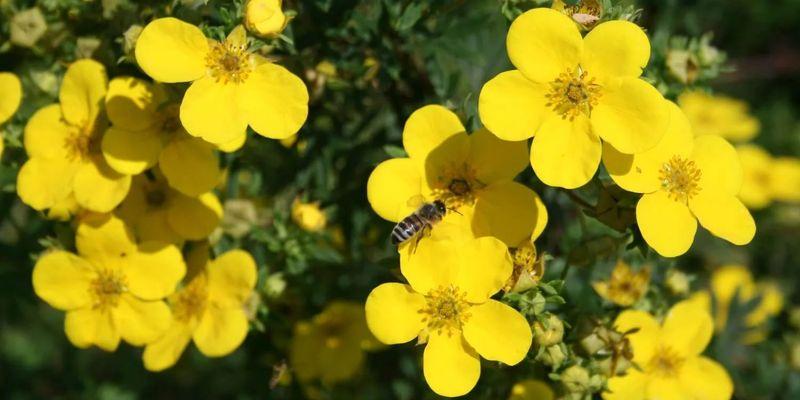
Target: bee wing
415, 201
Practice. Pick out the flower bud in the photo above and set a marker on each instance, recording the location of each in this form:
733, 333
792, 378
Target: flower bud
550, 335
677, 282
27, 27
575, 379
265, 17
130, 37
552, 356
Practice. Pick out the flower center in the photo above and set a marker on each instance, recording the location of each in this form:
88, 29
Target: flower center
456, 186
332, 329
446, 310
79, 145
680, 177
228, 62
190, 301
106, 288
666, 362
573, 93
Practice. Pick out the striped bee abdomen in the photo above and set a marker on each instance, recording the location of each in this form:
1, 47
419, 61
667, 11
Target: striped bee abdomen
407, 228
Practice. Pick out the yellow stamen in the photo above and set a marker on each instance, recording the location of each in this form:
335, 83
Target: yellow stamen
680, 177
446, 310
78, 145
573, 94
106, 288
229, 62
457, 186
190, 301
666, 362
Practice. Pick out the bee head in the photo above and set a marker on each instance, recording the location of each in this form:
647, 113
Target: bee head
440, 207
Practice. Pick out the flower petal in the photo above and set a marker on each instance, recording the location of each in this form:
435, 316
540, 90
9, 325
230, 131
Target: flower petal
194, 218
543, 43
631, 115
44, 183
498, 332
132, 104
166, 350
46, 133
631, 386
508, 211
11, 88
724, 216
154, 270
719, 165
432, 263
392, 185
102, 238
63, 280
615, 49
495, 159
512, 106
640, 172
706, 379
646, 338
393, 313
99, 188
666, 225
141, 322
565, 153
757, 169
170, 50
190, 165
275, 101
451, 367
88, 326
214, 111
131, 152
427, 128
687, 328
83, 91
231, 278
785, 179
482, 268
220, 331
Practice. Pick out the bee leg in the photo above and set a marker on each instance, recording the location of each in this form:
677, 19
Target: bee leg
426, 231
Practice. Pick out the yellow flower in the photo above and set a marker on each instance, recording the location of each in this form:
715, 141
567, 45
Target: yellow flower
472, 174
785, 182
308, 216
719, 115
625, 287
63, 146
735, 280
265, 17
585, 14
113, 288
448, 305
209, 309
146, 130
669, 358
11, 88
684, 180
330, 347
155, 211
571, 92
529, 266
531, 389
231, 87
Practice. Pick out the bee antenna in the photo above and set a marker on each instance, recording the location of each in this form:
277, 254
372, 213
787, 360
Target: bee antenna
455, 211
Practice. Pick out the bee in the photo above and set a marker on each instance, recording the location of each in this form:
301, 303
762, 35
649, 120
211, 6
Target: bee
419, 222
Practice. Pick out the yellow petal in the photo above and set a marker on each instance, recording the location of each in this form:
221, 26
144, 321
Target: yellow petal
231, 278
785, 180
141, 322
432, 263
88, 326
154, 270
130, 152
724, 216
565, 153
640, 172
770, 305
632, 116
482, 269
757, 175
170, 50
687, 328
275, 101
451, 367
63, 280
615, 49
494, 159
43, 183
190, 165
166, 350
195, 218
631, 386
427, 128
393, 313
543, 43
132, 104
304, 351
511, 106
11, 88
391, 185
102, 238
531, 389
99, 188
498, 332
666, 225
719, 164
508, 211
706, 379
153, 225
214, 111
646, 338
83, 91
445, 159
665, 388
220, 331
233, 145
46, 133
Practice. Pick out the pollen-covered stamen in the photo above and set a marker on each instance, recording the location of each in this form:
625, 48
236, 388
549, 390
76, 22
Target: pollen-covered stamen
229, 62
457, 186
666, 362
446, 310
573, 93
680, 177
106, 288
190, 301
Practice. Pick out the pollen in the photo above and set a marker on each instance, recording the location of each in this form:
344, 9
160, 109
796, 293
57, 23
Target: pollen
107, 287
665, 362
190, 302
680, 177
446, 310
456, 186
78, 145
229, 63
573, 93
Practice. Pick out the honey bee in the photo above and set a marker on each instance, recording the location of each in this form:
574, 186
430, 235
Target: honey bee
420, 221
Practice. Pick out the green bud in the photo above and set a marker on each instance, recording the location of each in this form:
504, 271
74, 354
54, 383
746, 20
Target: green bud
550, 334
27, 27
576, 379
553, 356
